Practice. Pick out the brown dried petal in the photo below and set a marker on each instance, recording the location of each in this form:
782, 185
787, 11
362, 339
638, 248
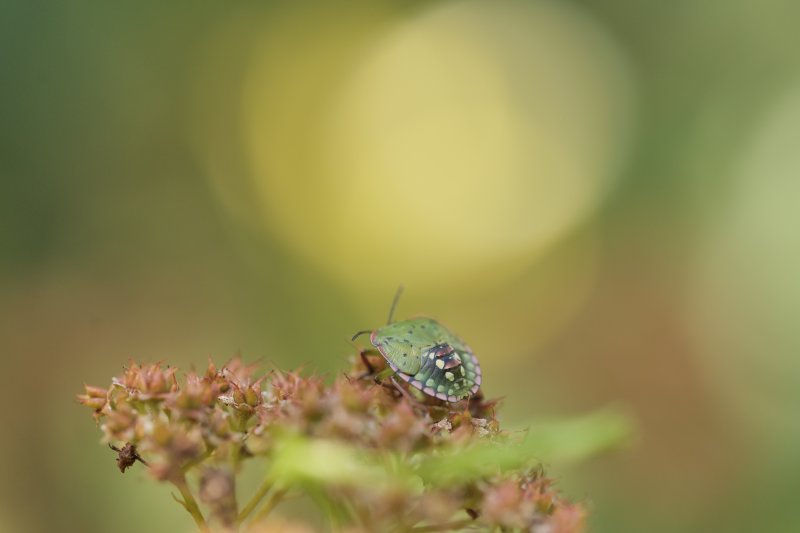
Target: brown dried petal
402, 429
502, 505
120, 423
213, 412
95, 392
568, 518
93, 403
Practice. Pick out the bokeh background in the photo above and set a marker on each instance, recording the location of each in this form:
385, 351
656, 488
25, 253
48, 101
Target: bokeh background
601, 196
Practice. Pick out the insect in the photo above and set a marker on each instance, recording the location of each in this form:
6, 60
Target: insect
127, 456
427, 355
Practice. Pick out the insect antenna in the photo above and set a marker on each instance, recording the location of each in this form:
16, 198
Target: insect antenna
360, 333
394, 303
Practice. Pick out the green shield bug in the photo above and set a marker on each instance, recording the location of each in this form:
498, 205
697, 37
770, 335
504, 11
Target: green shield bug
427, 356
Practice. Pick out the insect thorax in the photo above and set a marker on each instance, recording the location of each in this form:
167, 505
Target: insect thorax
444, 356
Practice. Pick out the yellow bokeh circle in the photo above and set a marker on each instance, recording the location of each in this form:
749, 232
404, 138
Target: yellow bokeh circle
436, 148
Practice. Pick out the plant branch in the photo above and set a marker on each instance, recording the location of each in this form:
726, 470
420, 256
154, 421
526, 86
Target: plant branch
190, 504
262, 491
274, 499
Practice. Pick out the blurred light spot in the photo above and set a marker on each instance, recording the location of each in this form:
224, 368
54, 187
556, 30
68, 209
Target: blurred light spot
747, 289
451, 146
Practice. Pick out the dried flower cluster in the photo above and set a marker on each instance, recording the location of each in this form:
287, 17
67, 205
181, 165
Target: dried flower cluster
368, 457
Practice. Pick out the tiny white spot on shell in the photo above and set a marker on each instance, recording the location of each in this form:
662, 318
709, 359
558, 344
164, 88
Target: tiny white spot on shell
431, 356
450, 376
439, 364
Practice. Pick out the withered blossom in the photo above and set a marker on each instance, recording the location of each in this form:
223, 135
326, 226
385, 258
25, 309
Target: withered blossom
363, 447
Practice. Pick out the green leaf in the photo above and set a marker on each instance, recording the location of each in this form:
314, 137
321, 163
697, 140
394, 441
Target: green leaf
321, 462
556, 441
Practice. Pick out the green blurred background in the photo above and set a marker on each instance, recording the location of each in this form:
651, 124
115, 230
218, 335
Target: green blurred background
599, 195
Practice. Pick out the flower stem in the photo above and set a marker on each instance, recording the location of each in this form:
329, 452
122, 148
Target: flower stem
274, 499
262, 491
190, 504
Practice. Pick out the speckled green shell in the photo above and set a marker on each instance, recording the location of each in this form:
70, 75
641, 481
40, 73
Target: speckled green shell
430, 358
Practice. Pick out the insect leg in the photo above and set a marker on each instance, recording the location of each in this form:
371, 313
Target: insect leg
404, 392
365, 360
138, 457
373, 372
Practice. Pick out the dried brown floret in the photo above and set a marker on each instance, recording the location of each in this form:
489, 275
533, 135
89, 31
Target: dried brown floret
362, 441
95, 398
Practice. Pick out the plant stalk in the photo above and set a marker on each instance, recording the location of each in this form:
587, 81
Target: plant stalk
274, 499
190, 504
262, 491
